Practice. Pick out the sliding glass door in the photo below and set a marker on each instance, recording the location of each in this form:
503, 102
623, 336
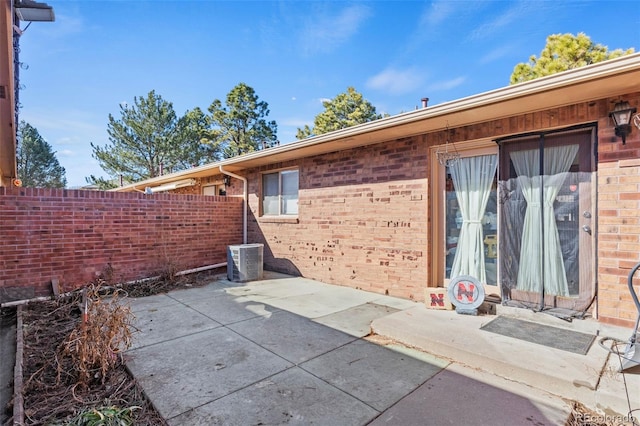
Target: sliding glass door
546, 220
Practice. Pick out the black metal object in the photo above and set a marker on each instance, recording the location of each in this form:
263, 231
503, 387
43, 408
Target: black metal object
634, 295
631, 356
621, 115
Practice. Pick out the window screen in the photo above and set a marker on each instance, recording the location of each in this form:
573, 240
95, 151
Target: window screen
280, 193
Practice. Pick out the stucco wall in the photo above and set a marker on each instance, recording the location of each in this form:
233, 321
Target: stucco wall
74, 236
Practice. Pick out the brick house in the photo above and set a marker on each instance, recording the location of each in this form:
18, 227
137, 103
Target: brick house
474, 186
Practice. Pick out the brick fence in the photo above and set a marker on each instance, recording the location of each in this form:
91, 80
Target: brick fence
75, 236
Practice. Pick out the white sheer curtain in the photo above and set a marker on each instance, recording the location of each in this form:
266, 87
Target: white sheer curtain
472, 179
557, 162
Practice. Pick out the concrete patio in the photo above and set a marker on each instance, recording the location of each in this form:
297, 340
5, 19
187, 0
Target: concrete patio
293, 350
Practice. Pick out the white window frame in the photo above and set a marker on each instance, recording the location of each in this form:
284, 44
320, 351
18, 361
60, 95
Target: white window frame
280, 199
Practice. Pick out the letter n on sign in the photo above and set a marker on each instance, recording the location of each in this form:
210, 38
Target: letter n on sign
437, 298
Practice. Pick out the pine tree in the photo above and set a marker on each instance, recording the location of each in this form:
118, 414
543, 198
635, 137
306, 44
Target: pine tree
345, 110
149, 139
561, 53
241, 126
38, 166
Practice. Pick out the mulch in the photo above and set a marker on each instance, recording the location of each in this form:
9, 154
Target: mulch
51, 391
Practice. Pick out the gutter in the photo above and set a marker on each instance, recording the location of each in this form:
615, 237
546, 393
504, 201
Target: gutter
244, 197
170, 186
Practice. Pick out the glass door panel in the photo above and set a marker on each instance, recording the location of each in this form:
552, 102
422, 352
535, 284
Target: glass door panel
545, 210
471, 218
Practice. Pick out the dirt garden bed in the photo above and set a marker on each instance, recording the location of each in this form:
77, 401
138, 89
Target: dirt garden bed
59, 386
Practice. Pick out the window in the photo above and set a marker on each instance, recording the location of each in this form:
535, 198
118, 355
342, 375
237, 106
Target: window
280, 193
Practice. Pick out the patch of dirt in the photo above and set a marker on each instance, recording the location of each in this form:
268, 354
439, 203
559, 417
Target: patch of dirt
51, 393
380, 340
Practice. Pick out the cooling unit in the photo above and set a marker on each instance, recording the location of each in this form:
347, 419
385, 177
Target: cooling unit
244, 262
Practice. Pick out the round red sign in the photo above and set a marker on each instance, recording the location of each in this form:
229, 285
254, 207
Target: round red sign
466, 292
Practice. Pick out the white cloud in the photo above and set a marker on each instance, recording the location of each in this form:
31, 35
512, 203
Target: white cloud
324, 33
497, 53
64, 121
429, 24
438, 12
65, 141
520, 10
397, 82
447, 84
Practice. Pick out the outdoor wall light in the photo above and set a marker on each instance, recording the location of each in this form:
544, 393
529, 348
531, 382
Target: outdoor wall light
226, 180
33, 11
621, 116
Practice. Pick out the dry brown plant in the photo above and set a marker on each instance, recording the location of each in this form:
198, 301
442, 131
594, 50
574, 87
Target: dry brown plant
96, 343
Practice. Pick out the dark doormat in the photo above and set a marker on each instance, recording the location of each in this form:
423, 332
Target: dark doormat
553, 337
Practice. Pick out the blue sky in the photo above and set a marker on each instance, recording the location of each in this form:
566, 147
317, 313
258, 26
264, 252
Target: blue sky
294, 54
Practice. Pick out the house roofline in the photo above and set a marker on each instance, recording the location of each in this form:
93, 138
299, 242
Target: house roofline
542, 93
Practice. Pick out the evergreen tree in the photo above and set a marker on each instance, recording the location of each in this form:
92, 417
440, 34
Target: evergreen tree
150, 138
38, 166
241, 126
561, 53
101, 183
345, 110
200, 144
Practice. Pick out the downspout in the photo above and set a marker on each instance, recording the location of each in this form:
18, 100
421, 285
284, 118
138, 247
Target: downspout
244, 197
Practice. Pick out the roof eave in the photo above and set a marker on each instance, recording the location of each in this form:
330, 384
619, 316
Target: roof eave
541, 93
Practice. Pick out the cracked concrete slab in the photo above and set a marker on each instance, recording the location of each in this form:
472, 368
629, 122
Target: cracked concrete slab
183, 374
294, 338
458, 337
454, 397
292, 397
374, 374
165, 322
322, 302
148, 303
227, 309
214, 289
356, 321
237, 373
276, 288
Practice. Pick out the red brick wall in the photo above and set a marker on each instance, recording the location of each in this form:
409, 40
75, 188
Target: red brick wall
362, 221
364, 217
72, 235
618, 220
